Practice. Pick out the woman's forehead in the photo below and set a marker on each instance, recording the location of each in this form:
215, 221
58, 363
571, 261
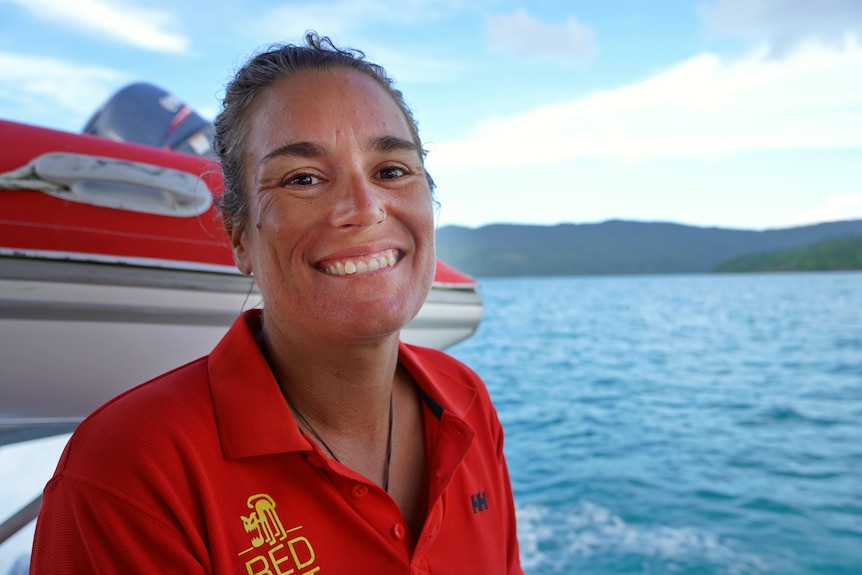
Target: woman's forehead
334, 94
319, 105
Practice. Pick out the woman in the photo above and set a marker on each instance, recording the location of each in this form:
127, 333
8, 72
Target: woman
310, 440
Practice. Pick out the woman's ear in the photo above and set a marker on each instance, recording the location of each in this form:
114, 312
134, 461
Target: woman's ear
236, 234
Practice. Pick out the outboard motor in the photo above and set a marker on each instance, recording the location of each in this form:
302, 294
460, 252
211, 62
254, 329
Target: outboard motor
145, 114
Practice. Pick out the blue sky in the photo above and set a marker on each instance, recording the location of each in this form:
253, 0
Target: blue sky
732, 113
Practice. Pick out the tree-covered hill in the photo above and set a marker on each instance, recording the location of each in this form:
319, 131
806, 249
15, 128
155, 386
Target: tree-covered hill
830, 255
616, 247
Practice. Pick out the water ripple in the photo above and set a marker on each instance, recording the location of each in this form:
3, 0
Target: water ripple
690, 424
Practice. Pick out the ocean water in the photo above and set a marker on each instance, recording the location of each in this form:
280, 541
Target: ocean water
707, 424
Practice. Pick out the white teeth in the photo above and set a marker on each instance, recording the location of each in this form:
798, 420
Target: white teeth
350, 267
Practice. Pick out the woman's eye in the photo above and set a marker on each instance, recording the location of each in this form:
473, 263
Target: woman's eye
302, 180
392, 172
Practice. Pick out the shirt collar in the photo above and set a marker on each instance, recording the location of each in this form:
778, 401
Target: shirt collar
440, 380
251, 414
254, 419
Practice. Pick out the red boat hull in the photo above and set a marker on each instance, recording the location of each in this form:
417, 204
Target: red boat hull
33, 221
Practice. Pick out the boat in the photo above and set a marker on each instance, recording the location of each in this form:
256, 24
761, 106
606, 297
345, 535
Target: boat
114, 268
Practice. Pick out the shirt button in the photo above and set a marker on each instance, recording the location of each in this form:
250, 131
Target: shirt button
359, 491
439, 474
398, 531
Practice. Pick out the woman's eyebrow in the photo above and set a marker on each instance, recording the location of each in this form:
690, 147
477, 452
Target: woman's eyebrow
299, 149
394, 143
312, 150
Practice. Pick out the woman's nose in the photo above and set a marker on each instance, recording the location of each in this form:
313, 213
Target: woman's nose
358, 204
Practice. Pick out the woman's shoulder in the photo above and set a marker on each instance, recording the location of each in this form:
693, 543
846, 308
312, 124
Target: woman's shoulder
153, 419
160, 398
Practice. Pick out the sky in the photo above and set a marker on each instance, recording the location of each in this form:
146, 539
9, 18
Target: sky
732, 113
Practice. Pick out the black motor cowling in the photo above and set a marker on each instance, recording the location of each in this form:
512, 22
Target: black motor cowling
145, 114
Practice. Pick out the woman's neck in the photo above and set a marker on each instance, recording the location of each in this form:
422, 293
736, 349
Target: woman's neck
344, 389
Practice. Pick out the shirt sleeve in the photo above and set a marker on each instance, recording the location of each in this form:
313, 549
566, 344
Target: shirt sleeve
512, 549
85, 529
513, 557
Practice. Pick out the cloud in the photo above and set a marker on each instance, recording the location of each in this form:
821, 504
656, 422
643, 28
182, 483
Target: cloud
39, 87
139, 27
290, 22
837, 207
412, 68
704, 108
527, 37
784, 24
349, 21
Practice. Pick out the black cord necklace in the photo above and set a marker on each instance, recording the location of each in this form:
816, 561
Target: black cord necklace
329, 449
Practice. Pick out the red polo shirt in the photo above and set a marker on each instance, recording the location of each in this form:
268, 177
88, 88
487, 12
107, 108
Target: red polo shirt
203, 470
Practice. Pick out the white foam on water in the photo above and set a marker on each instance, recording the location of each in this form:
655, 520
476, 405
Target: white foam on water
553, 540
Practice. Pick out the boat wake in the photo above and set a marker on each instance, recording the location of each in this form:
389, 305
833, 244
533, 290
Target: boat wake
590, 538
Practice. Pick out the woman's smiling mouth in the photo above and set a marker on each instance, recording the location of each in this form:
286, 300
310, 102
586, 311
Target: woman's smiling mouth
360, 265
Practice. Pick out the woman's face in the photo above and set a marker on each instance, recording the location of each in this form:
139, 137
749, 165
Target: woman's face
340, 233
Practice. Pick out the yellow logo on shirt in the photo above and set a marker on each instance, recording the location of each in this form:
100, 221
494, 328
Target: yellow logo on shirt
266, 528
264, 520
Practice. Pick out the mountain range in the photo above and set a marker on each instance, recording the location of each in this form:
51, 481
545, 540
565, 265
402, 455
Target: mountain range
839, 254
617, 247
